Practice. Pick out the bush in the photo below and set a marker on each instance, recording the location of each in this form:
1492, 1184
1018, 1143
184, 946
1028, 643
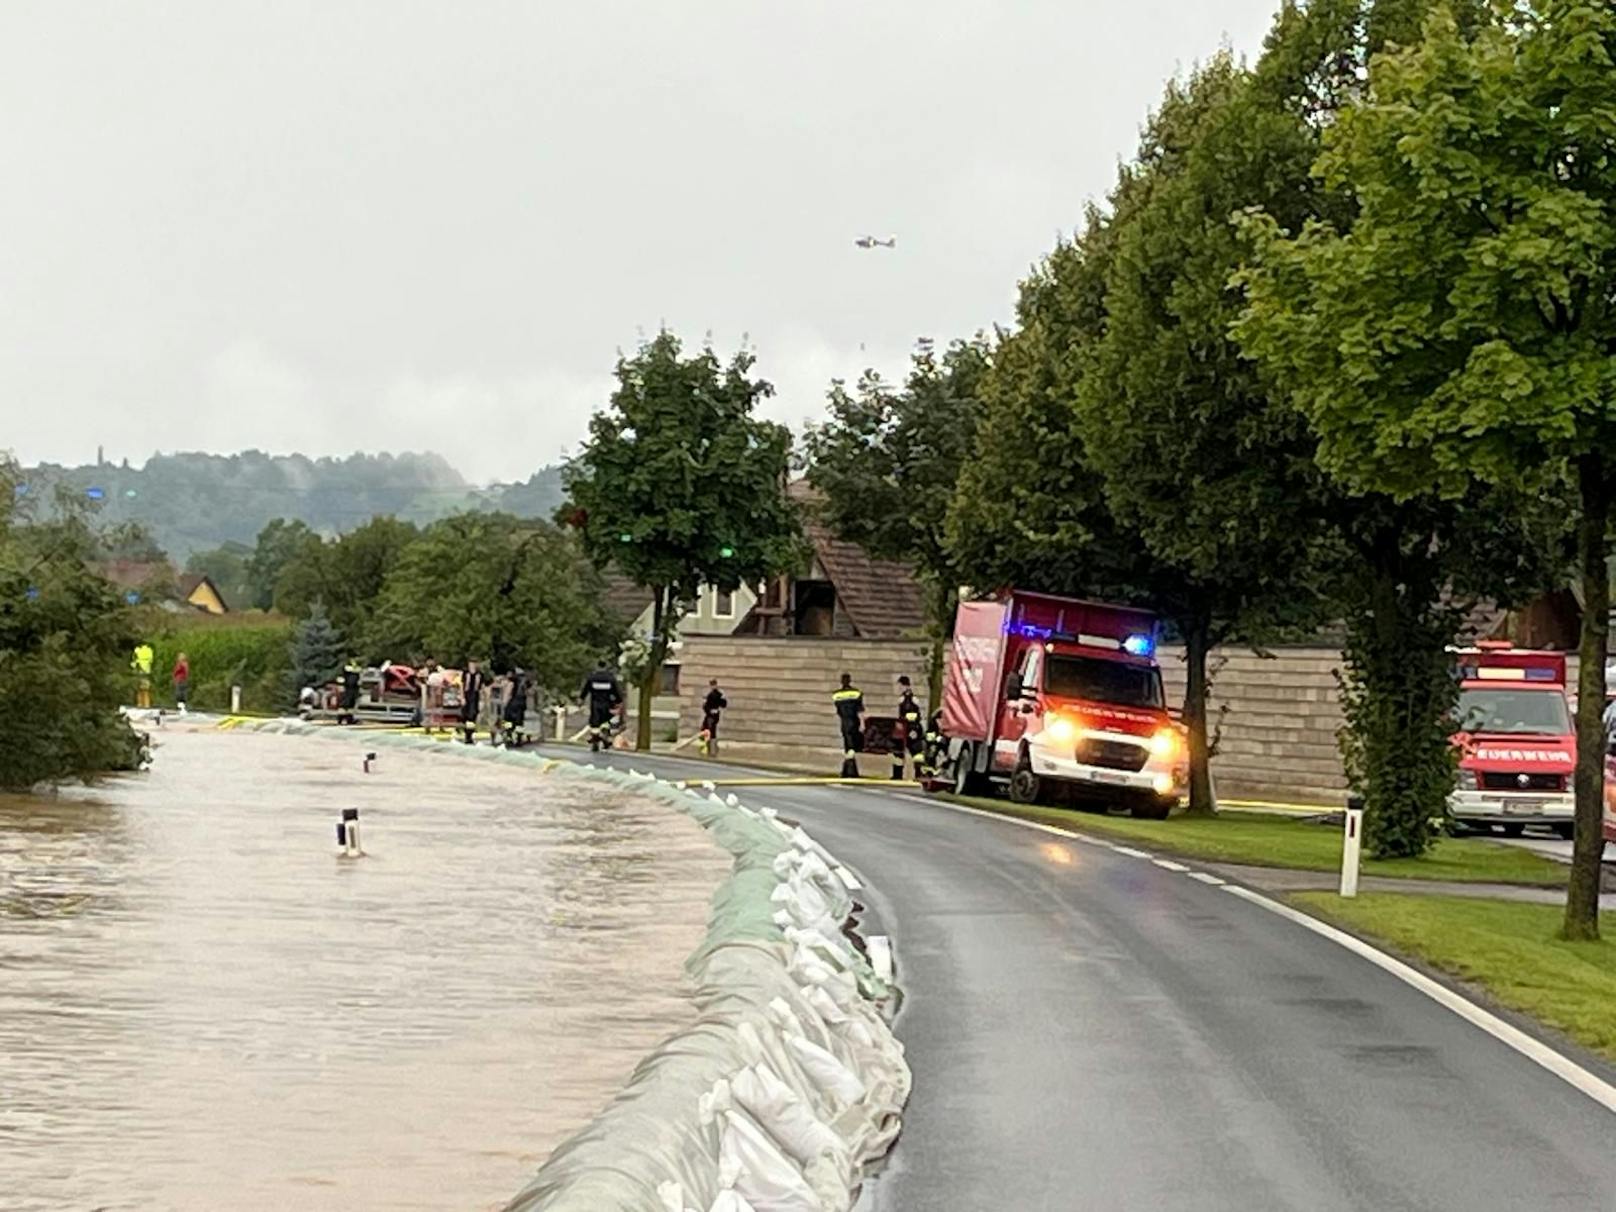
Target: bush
247, 650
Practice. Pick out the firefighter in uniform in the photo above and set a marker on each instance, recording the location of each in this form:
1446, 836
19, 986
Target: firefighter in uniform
350, 693
931, 758
712, 707
906, 738
849, 703
605, 695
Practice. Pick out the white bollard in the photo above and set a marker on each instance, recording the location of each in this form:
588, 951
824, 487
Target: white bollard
235, 700
1351, 846
560, 714
348, 833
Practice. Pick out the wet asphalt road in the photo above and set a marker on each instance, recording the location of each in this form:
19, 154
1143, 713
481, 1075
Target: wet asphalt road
1090, 1031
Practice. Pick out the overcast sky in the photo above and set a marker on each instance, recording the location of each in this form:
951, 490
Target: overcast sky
336, 226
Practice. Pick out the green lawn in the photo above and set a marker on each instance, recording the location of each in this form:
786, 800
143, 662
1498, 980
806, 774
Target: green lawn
1509, 949
1276, 841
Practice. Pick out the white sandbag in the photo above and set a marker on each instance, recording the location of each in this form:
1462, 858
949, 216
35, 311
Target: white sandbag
672, 1197
765, 1177
729, 1201
827, 1072
785, 1117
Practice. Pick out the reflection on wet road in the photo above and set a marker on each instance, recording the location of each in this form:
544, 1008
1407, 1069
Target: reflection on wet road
202, 1007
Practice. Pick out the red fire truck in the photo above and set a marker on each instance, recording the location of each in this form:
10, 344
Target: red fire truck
1045, 693
1517, 744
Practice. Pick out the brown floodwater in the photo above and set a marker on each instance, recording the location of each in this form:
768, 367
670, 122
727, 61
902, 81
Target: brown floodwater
202, 1007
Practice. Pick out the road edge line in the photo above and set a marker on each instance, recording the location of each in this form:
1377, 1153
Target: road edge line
1527, 1045
1533, 1049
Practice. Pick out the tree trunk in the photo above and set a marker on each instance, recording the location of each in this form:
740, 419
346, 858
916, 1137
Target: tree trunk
1196, 646
653, 669
941, 602
1582, 893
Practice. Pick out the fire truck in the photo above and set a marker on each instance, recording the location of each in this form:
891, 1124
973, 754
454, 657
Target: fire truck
1046, 694
1517, 744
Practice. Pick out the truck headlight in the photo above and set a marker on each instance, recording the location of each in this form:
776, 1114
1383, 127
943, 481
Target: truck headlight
1467, 780
1061, 730
1165, 744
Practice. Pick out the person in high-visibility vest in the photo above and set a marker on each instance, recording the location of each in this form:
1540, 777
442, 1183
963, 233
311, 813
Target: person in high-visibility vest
142, 665
848, 700
909, 736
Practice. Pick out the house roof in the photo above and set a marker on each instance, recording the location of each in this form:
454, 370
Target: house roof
624, 599
191, 580
132, 574
880, 596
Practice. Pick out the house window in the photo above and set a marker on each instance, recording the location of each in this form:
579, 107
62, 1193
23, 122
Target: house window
723, 603
669, 684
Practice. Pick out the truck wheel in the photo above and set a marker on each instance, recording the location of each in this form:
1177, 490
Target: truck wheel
1025, 786
1152, 809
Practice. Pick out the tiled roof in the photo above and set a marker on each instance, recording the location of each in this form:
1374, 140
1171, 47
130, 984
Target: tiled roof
880, 596
190, 581
132, 574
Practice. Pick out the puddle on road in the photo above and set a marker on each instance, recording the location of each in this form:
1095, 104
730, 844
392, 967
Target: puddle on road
202, 1007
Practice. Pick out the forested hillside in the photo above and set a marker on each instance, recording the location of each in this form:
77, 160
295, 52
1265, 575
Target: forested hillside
193, 501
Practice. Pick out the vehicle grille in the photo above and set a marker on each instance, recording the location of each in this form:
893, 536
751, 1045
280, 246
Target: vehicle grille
1494, 781
1114, 755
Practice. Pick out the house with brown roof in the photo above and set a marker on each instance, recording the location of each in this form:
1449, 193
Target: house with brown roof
156, 581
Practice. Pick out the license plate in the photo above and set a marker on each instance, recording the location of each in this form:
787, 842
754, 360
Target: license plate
1522, 807
1109, 776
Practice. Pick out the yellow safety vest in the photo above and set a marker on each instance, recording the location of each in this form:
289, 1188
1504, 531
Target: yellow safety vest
143, 659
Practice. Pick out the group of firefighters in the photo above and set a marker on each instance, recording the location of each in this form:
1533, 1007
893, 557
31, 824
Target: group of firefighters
913, 737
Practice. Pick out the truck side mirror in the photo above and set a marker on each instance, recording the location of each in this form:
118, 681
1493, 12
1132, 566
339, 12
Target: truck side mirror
1013, 687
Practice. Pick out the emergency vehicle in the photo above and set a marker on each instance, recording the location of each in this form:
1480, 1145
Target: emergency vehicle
1045, 693
1517, 744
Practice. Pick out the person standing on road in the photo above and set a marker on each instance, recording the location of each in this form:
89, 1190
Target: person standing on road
142, 665
604, 694
849, 703
350, 692
471, 699
515, 712
711, 708
182, 681
907, 737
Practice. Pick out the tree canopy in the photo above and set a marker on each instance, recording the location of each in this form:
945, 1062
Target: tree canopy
679, 485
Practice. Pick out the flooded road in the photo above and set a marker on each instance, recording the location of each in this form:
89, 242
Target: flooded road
202, 1007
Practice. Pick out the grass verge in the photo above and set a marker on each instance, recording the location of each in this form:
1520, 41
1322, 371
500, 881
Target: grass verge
1264, 840
1509, 949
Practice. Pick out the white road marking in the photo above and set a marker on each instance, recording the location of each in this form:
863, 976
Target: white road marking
1131, 852
1567, 1070
1169, 865
1563, 1067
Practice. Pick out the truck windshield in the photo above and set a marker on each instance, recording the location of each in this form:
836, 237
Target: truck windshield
1100, 681
1520, 711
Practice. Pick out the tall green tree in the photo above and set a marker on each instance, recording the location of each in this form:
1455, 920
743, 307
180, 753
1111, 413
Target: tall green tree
679, 485
887, 461
1463, 327
279, 542
1214, 474
345, 574
506, 590
66, 638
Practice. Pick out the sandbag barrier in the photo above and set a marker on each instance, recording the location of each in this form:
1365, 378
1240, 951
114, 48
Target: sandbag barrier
787, 1090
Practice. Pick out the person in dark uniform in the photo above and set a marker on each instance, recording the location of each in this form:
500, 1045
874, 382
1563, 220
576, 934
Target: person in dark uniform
350, 693
907, 737
471, 699
514, 714
711, 707
604, 694
849, 703
931, 758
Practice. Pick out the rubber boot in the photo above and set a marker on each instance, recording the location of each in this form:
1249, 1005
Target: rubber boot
850, 767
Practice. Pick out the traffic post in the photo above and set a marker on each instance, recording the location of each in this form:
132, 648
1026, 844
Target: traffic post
1352, 845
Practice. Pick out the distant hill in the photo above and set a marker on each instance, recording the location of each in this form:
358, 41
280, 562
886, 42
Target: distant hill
192, 501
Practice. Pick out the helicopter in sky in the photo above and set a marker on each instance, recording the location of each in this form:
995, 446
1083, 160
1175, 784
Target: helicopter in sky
876, 242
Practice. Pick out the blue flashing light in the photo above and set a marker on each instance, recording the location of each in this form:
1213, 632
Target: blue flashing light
1139, 645
95, 494
1031, 631
1539, 675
